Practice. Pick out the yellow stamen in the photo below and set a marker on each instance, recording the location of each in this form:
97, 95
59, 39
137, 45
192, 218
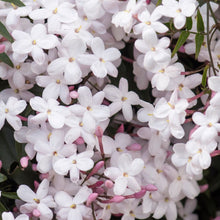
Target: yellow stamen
18, 67
55, 11
166, 199
119, 149
148, 23
189, 159
89, 108
159, 171
80, 124
74, 162
6, 110
55, 153
34, 42
179, 178
73, 206
124, 98
37, 200
48, 136
171, 106
77, 30
71, 59
132, 213
48, 111
58, 81
179, 10
153, 48
125, 174
162, 70
16, 91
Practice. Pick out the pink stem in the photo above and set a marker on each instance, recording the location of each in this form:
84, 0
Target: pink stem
195, 97
22, 118
127, 59
215, 153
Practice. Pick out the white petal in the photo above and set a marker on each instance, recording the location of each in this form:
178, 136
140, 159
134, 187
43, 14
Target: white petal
120, 185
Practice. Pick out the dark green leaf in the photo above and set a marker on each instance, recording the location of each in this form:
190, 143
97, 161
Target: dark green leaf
10, 195
182, 39
159, 2
5, 59
2, 177
15, 2
204, 75
199, 38
189, 23
200, 23
4, 32
2, 207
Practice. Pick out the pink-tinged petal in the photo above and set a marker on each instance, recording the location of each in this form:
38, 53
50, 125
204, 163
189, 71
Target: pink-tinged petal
132, 98
120, 185
88, 138
74, 214
82, 195
8, 216
159, 27
150, 38
48, 42
124, 162
133, 184
199, 118
99, 69
44, 165
56, 120
111, 54
127, 111
175, 188
72, 135
160, 209
65, 94
85, 164
85, 96
144, 133
20, 35
177, 131
22, 46
115, 107
160, 81
38, 55
62, 166
112, 93
179, 21
136, 167
45, 211
190, 189
188, 8
171, 211
26, 194
111, 69
87, 59
57, 66
52, 91
40, 14
42, 190
63, 199
97, 46
28, 207
72, 73
89, 123
18, 107
112, 172
74, 174
214, 83
38, 31
14, 121
205, 159
123, 85
162, 108
75, 47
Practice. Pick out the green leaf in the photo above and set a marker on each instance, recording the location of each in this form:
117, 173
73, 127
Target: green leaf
10, 195
159, 2
2, 177
5, 59
199, 38
2, 207
15, 2
189, 23
200, 23
182, 39
204, 75
4, 32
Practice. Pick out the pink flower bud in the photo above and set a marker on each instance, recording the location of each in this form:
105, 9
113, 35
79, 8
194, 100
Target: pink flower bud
92, 197
99, 132
96, 168
182, 49
74, 94
215, 153
43, 176
79, 141
36, 213
99, 190
140, 194
148, 2
2, 48
149, 187
134, 147
121, 129
97, 184
203, 188
24, 161
109, 184
0, 164
36, 184
34, 167
217, 218
117, 199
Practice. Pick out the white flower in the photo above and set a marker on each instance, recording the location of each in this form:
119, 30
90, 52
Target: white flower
40, 200
100, 61
50, 110
10, 110
123, 175
73, 207
121, 99
34, 43
178, 10
74, 164
9, 216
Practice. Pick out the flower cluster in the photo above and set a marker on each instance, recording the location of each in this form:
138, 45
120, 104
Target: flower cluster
100, 148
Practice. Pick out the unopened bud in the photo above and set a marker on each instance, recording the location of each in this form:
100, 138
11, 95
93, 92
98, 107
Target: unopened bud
36, 184
203, 188
79, 141
24, 161
34, 167
96, 168
121, 129
92, 197
109, 184
36, 213
0, 164
117, 199
2, 48
149, 187
74, 94
134, 147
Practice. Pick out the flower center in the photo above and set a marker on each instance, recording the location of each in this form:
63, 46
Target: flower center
125, 174
89, 108
37, 200
148, 23
159, 171
18, 67
119, 149
171, 106
80, 124
6, 110
71, 59
189, 159
132, 213
55, 11
124, 98
73, 206
153, 48
34, 42
57, 81
77, 30
210, 124
162, 70
179, 10
179, 178
74, 162
55, 153
102, 60
166, 199
48, 111
16, 91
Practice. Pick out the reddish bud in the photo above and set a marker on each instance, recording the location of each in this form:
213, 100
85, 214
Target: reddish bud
24, 161
74, 94
109, 184
121, 129
92, 197
79, 141
134, 147
203, 188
